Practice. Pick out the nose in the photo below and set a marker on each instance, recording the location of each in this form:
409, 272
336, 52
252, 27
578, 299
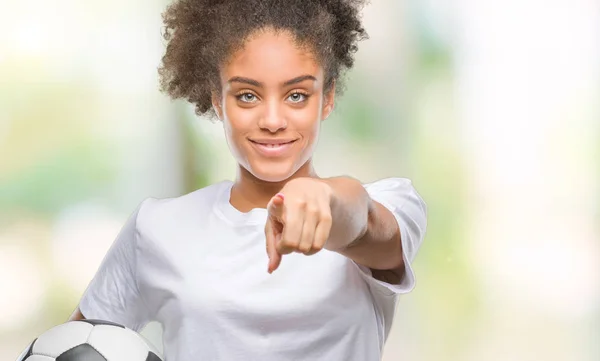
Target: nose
272, 118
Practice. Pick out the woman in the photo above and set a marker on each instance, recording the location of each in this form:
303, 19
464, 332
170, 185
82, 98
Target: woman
337, 252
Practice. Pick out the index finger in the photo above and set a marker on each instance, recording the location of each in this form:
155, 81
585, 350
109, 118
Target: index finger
274, 256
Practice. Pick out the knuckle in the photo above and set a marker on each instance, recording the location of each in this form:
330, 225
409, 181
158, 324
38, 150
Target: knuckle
326, 218
304, 248
301, 203
314, 249
320, 241
286, 243
312, 209
318, 246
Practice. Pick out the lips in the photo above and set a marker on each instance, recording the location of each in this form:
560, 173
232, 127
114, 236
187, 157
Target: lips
272, 142
272, 147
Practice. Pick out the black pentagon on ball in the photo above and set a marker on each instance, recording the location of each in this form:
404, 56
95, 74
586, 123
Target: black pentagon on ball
102, 322
152, 357
81, 353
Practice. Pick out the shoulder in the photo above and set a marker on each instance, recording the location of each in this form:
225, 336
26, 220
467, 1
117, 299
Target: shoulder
154, 212
391, 184
390, 181
397, 193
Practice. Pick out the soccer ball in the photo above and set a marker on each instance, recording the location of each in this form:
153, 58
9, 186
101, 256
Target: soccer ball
90, 340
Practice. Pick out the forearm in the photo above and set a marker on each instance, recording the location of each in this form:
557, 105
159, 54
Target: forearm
379, 248
362, 229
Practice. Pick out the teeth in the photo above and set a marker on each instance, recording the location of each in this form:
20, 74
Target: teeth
272, 145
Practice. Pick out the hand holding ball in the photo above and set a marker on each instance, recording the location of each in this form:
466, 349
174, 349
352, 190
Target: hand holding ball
90, 340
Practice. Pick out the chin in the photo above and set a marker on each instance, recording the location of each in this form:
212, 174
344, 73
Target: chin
272, 172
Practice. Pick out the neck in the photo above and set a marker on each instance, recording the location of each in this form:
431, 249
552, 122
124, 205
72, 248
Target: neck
250, 192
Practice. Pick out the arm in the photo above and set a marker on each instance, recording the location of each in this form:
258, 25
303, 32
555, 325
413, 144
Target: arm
112, 294
77, 315
361, 222
364, 230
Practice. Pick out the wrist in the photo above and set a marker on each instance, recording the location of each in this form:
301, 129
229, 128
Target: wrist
367, 229
334, 198
350, 207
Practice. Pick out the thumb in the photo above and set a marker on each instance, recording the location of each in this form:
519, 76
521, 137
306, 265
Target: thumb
275, 206
274, 256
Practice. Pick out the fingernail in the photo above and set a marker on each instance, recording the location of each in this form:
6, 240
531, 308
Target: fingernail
280, 195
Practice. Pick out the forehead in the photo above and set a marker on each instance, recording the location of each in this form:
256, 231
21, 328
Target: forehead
272, 57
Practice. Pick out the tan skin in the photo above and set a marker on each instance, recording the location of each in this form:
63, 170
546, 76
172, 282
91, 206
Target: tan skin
273, 90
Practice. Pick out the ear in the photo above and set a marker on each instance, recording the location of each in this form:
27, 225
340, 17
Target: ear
217, 104
328, 101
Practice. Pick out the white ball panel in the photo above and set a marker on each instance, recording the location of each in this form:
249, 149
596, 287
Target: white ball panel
118, 344
62, 338
40, 358
153, 334
150, 345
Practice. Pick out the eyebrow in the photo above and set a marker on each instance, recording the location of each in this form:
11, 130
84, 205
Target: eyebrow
296, 80
239, 79
299, 79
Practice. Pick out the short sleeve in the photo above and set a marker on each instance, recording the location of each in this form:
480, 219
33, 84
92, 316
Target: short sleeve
113, 295
400, 197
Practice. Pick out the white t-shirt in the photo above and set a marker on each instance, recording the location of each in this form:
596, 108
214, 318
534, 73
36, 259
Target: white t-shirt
198, 266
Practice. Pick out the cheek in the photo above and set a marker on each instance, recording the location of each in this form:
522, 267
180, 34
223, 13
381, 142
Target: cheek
308, 120
238, 121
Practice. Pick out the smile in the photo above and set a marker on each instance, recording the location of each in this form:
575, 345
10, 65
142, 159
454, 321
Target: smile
272, 148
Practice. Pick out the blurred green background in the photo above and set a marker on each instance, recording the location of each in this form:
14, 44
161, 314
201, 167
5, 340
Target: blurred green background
492, 109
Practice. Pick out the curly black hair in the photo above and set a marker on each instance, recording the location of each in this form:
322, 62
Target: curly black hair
202, 34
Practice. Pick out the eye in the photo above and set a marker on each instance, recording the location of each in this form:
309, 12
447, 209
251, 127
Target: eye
247, 97
297, 97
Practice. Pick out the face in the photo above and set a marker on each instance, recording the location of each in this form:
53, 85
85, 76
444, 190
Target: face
271, 105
